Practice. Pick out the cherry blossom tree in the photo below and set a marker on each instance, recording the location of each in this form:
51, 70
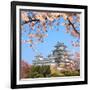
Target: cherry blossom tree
24, 69
40, 22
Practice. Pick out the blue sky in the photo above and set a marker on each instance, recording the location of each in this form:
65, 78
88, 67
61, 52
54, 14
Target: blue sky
45, 48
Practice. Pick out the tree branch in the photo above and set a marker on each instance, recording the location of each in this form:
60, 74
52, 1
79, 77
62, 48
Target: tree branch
70, 23
31, 20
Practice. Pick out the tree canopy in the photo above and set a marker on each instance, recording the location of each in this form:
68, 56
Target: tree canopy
40, 22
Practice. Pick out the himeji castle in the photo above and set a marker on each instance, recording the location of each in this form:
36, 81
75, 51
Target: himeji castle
59, 55
40, 60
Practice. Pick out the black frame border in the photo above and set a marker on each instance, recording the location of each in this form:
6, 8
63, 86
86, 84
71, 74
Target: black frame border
13, 44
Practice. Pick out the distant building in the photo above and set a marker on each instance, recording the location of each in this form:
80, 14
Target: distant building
40, 60
60, 57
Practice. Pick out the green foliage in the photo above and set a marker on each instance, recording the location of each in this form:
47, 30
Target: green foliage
72, 73
40, 71
45, 71
65, 73
35, 75
57, 73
